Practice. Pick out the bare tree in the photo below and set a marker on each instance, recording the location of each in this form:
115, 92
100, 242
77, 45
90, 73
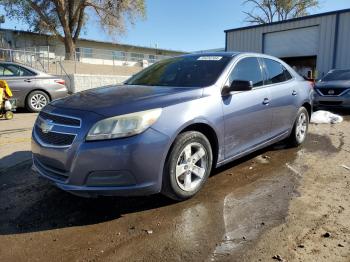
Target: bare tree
65, 19
268, 11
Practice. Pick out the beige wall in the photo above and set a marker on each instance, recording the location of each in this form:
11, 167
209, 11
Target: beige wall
71, 67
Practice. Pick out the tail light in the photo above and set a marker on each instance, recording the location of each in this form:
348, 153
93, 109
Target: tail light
60, 81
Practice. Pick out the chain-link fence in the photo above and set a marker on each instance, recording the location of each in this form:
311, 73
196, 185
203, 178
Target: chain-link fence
37, 60
115, 57
84, 59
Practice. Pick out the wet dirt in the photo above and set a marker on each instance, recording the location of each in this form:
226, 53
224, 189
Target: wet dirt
241, 203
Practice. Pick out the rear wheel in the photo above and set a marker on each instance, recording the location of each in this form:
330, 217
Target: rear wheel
37, 100
300, 128
188, 166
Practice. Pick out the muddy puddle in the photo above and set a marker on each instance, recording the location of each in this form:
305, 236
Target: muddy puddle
239, 202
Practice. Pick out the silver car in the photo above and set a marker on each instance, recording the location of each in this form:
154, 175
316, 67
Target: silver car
333, 90
32, 89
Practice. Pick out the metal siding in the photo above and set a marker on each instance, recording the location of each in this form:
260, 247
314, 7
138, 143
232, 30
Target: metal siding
293, 43
237, 40
326, 42
343, 53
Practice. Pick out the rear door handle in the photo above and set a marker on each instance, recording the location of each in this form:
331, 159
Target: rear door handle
266, 101
294, 93
27, 80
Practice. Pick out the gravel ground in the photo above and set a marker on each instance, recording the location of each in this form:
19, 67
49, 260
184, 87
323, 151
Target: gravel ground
279, 204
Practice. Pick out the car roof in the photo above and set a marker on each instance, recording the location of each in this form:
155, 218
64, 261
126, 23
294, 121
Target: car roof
231, 54
337, 70
224, 54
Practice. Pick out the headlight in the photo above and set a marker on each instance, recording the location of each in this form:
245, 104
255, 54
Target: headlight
123, 125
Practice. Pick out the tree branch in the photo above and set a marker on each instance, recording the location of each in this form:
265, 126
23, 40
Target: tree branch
45, 19
80, 25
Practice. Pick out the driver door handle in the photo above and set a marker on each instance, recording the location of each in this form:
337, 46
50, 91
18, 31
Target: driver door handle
27, 80
266, 101
294, 93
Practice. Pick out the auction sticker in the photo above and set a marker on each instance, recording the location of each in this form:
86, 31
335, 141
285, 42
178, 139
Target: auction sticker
210, 58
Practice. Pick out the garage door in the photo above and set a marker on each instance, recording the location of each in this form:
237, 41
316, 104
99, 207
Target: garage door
292, 43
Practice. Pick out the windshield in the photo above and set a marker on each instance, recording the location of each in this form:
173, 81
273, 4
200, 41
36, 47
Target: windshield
337, 75
186, 71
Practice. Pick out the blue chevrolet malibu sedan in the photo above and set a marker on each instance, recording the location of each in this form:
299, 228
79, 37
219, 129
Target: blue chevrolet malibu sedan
166, 127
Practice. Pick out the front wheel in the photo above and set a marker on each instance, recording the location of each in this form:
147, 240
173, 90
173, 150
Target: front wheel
188, 166
300, 128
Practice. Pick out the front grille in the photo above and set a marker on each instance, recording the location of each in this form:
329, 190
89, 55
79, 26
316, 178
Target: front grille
60, 120
53, 138
331, 91
330, 103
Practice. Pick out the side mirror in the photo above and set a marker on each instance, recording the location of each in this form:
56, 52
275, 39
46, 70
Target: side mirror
238, 85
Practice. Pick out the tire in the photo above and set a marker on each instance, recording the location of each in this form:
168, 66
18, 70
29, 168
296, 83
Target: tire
8, 115
36, 101
183, 178
300, 128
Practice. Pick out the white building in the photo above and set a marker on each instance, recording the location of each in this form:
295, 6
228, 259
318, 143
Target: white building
87, 51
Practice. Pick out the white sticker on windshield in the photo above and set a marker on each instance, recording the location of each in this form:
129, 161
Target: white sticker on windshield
210, 58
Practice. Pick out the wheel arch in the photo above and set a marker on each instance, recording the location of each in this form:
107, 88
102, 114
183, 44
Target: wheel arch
308, 107
206, 129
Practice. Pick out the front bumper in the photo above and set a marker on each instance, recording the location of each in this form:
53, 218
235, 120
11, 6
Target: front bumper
121, 167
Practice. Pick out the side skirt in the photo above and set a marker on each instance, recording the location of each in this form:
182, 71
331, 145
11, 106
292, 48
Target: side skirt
255, 148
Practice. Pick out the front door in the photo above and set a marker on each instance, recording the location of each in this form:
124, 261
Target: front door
246, 114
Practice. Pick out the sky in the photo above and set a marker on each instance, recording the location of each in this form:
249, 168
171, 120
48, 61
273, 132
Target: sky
185, 25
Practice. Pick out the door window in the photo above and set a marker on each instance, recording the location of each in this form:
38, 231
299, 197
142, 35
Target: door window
9, 70
276, 72
247, 69
5, 72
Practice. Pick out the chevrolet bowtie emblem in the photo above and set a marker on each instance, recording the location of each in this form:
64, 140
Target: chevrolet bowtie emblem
46, 125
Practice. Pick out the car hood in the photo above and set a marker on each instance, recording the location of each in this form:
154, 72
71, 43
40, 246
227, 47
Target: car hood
334, 84
123, 99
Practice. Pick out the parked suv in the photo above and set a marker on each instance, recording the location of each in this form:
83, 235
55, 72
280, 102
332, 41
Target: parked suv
333, 90
170, 124
32, 89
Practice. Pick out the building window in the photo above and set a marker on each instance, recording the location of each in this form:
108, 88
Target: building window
137, 56
87, 52
152, 58
118, 55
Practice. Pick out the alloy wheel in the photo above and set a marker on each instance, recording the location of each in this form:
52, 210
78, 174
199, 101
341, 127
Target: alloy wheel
301, 127
191, 166
38, 101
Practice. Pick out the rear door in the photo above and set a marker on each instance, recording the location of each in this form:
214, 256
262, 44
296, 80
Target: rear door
19, 79
283, 96
246, 114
